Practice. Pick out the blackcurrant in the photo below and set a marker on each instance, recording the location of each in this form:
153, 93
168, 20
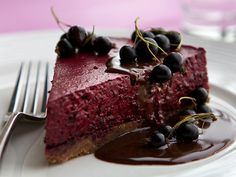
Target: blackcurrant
175, 39
102, 45
148, 34
160, 74
157, 139
76, 35
64, 48
142, 50
127, 54
87, 45
163, 42
174, 61
157, 31
188, 112
187, 132
201, 95
204, 109
133, 36
165, 130
65, 35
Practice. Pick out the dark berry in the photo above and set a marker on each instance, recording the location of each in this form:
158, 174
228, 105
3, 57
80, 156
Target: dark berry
163, 42
142, 51
201, 95
77, 35
133, 36
87, 45
165, 130
65, 35
127, 54
175, 39
157, 31
102, 45
204, 109
160, 74
148, 34
64, 48
187, 132
174, 61
187, 112
157, 139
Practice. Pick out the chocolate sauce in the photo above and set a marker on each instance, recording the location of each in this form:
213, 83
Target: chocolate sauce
133, 148
136, 70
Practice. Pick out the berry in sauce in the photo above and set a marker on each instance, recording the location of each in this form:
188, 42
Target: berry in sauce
157, 139
165, 130
187, 132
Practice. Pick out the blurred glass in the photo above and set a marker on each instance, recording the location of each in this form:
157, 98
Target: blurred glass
210, 18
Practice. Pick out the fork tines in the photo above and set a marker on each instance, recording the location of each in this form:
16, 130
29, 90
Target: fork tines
31, 89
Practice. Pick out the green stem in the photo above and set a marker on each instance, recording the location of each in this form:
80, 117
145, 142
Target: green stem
139, 34
191, 117
59, 22
90, 37
188, 98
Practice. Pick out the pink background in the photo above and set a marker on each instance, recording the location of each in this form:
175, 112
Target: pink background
28, 15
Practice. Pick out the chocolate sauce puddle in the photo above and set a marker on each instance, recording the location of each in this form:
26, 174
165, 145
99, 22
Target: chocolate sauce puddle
132, 148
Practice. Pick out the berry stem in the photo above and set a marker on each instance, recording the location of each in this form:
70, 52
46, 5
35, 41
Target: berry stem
58, 21
188, 98
90, 37
139, 34
192, 117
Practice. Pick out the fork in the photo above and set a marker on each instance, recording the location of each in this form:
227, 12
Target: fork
19, 108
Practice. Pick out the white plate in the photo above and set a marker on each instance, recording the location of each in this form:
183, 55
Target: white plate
24, 155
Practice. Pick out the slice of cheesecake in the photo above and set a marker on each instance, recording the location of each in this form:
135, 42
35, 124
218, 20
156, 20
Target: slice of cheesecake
89, 107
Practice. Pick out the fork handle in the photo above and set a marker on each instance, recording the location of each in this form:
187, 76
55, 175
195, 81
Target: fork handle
7, 131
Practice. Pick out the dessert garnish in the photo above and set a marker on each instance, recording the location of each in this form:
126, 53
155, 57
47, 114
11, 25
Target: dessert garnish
146, 49
175, 39
201, 95
102, 45
127, 54
77, 40
187, 128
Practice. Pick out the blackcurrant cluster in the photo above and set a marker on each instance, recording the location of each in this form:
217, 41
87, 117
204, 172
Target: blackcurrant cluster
189, 130
200, 97
186, 132
77, 39
162, 73
147, 45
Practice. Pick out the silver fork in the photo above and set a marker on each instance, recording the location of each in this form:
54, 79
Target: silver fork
25, 108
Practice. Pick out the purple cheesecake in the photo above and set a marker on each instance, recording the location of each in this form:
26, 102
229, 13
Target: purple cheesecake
89, 107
